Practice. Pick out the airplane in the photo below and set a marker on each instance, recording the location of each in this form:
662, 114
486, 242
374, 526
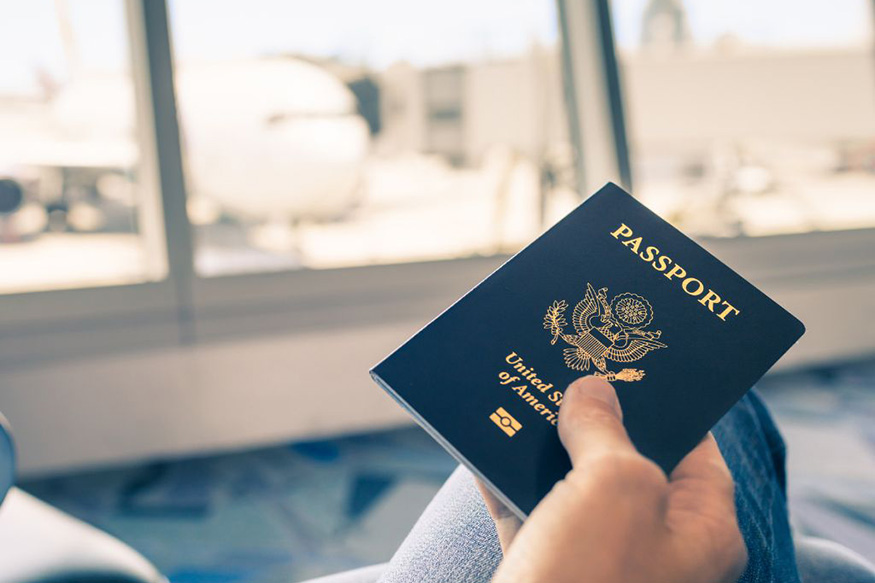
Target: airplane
268, 140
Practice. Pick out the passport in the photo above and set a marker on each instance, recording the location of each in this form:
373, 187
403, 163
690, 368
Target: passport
611, 290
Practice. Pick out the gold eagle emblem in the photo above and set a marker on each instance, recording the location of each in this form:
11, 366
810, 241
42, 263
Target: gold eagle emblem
605, 331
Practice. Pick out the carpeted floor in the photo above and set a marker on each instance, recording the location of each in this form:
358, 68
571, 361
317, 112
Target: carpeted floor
287, 513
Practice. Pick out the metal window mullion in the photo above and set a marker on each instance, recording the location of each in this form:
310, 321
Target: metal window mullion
572, 114
594, 93
152, 52
613, 86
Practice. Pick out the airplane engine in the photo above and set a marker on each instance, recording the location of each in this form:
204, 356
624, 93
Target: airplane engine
11, 196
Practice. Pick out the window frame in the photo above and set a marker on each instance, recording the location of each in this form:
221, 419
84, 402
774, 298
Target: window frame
194, 364
822, 276
34, 325
187, 309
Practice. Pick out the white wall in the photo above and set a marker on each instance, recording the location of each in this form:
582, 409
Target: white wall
271, 388
203, 398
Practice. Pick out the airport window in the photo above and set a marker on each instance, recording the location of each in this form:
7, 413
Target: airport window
74, 211
750, 118
323, 135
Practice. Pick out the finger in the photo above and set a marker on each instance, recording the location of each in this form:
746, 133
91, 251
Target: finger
705, 465
506, 522
702, 483
701, 507
591, 421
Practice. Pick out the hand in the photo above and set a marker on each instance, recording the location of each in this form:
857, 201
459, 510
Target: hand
616, 517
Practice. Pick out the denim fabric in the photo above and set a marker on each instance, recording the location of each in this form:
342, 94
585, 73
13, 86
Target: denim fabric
755, 453
455, 539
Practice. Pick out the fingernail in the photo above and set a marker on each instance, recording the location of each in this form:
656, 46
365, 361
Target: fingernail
595, 388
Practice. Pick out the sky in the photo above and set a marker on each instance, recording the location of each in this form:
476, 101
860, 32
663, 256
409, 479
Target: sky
379, 32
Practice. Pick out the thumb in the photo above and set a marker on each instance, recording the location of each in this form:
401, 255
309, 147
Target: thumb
591, 421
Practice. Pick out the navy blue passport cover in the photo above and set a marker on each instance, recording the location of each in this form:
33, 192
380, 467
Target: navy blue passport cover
611, 290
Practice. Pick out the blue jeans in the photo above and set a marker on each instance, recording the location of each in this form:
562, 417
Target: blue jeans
755, 453
455, 539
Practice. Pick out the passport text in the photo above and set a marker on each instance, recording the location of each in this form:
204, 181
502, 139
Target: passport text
673, 272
